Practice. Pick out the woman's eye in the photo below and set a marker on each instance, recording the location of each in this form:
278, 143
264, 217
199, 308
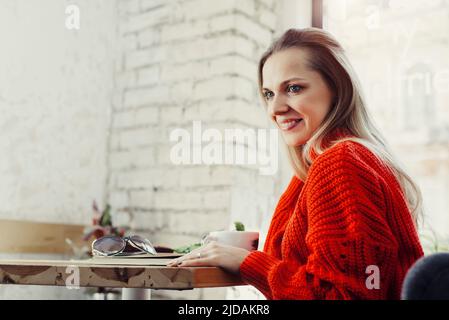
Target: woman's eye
268, 95
294, 88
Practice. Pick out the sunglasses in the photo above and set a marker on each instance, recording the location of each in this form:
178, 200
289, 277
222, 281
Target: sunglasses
114, 246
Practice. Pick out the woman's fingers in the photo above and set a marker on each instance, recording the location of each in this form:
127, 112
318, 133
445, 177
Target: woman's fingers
206, 262
200, 253
192, 255
196, 255
208, 239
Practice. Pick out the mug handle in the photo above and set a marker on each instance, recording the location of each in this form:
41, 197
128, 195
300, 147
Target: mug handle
206, 238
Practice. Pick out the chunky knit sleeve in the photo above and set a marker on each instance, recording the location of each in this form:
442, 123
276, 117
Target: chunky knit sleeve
349, 242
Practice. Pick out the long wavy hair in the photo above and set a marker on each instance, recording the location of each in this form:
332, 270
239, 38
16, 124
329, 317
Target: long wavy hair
327, 57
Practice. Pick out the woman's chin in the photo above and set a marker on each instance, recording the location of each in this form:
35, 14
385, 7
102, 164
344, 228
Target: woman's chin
294, 142
294, 139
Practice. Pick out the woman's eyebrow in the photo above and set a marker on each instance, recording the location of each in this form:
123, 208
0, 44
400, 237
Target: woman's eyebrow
286, 81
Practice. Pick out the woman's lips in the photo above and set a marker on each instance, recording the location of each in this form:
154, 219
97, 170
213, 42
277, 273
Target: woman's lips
290, 124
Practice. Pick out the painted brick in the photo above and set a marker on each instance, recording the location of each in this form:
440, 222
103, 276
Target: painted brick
268, 19
136, 117
233, 64
128, 6
145, 57
181, 92
196, 9
125, 80
202, 48
221, 175
183, 31
146, 20
195, 176
136, 179
222, 23
142, 157
148, 37
141, 198
171, 115
189, 71
129, 42
177, 200
146, 5
147, 96
121, 218
119, 199
214, 88
216, 199
197, 223
150, 222
148, 76
135, 138
252, 29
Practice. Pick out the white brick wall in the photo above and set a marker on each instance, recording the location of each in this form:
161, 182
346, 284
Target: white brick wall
55, 96
92, 114
55, 99
145, 96
185, 61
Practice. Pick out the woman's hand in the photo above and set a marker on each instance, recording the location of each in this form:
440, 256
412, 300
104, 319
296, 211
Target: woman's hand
213, 254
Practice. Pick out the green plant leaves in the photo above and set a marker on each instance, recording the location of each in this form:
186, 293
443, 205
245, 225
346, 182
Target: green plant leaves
187, 249
239, 226
106, 218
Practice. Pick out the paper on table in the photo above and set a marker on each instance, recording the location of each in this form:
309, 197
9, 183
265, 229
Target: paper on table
129, 262
162, 255
159, 259
146, 259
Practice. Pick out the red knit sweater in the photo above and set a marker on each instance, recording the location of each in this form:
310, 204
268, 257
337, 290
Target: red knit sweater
348, 214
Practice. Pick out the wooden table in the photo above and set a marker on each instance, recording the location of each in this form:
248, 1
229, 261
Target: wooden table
141, 273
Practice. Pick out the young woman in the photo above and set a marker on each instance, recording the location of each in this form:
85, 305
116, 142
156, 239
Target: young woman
346, 226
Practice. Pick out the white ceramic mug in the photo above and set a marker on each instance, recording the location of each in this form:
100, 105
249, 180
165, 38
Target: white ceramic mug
248, 240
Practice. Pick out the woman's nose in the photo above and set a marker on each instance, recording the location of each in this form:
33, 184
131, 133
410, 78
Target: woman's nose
278, 106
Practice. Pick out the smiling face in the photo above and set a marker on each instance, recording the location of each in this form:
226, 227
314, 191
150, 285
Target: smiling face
298, 99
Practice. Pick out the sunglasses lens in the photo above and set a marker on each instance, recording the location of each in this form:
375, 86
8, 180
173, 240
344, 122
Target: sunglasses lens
109, 245
143, 244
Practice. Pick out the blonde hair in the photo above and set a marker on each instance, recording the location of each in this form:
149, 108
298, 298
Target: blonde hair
348, 111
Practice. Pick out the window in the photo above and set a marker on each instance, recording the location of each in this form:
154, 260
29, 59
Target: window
417, 98
400, 50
